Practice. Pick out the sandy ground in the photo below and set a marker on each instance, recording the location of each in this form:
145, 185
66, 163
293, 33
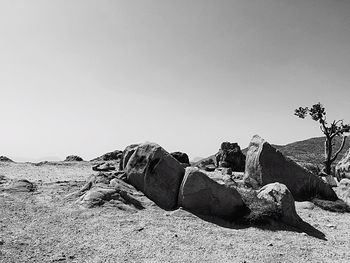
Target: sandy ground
43, 226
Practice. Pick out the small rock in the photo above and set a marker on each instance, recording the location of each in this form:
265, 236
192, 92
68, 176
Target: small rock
140, 229
59, 257
210, 168
73, 158
331, 226
270, 245
2, 242
304, 205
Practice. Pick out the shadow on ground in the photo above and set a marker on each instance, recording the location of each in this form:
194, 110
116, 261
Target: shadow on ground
265, 224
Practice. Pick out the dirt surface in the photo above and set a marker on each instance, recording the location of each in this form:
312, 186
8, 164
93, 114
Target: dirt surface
46, 226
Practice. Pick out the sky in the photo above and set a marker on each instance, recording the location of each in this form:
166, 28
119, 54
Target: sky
87, 77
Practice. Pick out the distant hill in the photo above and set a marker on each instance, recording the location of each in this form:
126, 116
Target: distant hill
306, 151
310, 150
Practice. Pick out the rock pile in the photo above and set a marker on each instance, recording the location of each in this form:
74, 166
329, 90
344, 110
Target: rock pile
265, 165
104, 188
230, 156
151, 173
162, 178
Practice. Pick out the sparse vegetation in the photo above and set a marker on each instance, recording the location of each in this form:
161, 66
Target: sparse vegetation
335, 129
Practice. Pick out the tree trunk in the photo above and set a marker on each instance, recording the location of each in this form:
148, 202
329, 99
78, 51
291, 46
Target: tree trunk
328, 155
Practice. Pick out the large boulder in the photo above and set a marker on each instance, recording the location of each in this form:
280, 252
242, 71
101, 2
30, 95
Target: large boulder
265, 165
342, 169
156, 173
181, 157
230, 156
279, 195
202, 195
128, 151
73, 158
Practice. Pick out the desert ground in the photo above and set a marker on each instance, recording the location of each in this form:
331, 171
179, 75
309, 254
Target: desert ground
47, 225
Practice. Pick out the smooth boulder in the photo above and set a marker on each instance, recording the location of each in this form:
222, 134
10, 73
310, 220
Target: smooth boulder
156, 173
202, 195
265, 165
279, 195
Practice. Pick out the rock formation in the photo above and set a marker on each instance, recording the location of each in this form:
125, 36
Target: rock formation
230, 156
265, 165
121, 194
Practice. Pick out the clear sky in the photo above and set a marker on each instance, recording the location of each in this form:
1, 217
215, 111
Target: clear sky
86, 77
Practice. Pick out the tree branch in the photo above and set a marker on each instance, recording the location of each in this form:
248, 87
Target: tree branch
340, 149
325, 131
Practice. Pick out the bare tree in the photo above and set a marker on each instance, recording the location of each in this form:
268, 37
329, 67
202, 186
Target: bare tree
332, 130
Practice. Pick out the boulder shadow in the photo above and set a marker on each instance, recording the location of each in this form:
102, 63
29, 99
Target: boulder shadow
266, 223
